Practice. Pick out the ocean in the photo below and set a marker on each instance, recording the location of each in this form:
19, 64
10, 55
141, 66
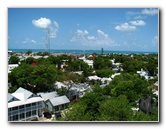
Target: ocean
88, 52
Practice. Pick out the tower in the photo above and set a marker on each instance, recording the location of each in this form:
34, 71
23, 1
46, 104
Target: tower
48, 40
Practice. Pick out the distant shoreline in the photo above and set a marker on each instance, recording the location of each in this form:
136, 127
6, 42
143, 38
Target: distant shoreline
82, 51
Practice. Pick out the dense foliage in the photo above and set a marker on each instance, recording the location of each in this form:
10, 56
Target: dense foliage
113, 102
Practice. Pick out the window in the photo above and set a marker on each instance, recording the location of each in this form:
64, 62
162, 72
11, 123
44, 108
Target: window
34, 112
15, 117
21, 107
28, 105
28, 114
33, 104
15, 108
22, 116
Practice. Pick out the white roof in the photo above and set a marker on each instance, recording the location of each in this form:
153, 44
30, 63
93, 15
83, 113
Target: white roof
59, 100
115, 75
94, 78
88, 61
23, 97
14, 65
60, 84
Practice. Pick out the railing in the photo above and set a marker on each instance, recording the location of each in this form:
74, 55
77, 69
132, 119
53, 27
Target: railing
26, 109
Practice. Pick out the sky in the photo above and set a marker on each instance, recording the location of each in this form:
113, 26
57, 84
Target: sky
116, 29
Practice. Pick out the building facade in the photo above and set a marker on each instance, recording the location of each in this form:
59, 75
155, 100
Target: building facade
23, 105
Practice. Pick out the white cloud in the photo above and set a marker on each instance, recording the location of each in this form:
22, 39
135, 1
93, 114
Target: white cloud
80, 32
50, 28
140, 17
155, 40
138, 23
102, 33
42, 23
83, 37
150, 11
125, 27
27, 40
91, 37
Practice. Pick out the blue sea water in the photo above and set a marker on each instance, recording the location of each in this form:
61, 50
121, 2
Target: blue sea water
88, 52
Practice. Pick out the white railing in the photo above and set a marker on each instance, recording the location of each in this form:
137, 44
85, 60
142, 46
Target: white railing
26, 109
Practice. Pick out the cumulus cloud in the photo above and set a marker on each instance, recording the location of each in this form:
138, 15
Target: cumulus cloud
125, 27
141, 14
151, 11
50, 27
80, 32
101, 33
138, 23
80, 36
83, 37
42, 23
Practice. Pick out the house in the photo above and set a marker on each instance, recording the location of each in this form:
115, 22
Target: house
59, 85
105, 80
24, 105
144, 74
93, 78
48, 95
57, 104
90, 63
11, 67
115, 74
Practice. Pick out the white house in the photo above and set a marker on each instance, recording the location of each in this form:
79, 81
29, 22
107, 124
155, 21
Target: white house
89, 62
48, 95
106, 80
144, 74
58, 85
11, 66
115, 74
57, 104
23, 105
93, 78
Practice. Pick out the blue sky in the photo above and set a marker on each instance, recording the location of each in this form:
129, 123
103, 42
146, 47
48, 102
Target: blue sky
122, 29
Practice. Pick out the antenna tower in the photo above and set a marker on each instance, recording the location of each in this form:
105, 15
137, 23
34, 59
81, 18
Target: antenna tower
48, 40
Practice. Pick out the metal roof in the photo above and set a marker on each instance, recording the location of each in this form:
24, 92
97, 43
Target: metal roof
23, 97
49, 95
59, 100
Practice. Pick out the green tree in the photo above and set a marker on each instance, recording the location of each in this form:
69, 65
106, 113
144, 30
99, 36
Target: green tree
14, 60
104, 72
133, 86
30, 60
115, 109
43, 76
87, 108
20, 75
101, 62
29, 52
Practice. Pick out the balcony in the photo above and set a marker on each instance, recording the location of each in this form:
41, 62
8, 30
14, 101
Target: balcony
26, 109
